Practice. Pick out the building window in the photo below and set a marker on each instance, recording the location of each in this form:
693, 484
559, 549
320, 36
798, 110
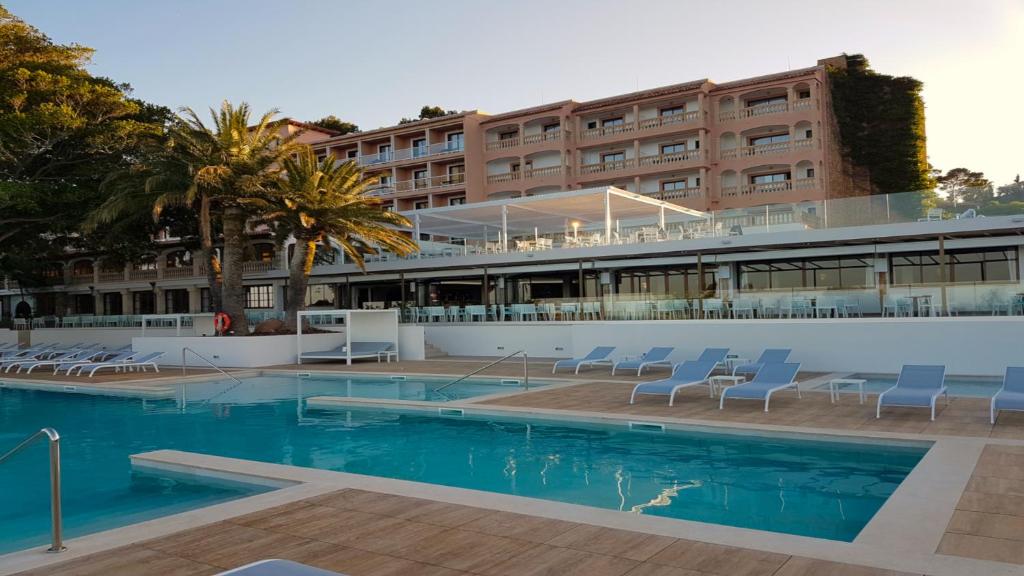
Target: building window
205, 305
769, 178
176, 301
810, 173
552, 128
820, 274
672, 110
455, 141
507, 135
261, 296
673, 148
384, 151
351, 154
263, 253
143, 303
384, 179
962, 267
613, 157
765, 101
803, 94
456, 174
321, 295
421, 205
772, 139
424, 237
420, 179
178, 259
419, 147
591, 124
669, 185
808, 134
457, 201
619, 121
696, 181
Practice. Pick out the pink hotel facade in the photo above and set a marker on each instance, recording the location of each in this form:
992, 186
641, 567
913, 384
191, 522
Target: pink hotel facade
707, 146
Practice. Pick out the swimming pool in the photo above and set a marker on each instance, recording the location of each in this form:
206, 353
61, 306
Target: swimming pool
966, 386
271, 386
808, 487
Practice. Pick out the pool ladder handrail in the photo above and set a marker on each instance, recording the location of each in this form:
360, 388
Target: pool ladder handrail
204, 359
526, 370
56, 526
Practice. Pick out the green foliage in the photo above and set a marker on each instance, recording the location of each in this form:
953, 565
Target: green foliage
429, 112
881, 125
61, 132
336, 124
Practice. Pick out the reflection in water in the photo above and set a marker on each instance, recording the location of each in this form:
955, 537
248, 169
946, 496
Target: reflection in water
666, 496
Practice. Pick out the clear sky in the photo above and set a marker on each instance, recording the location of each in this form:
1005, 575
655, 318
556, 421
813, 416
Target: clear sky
372, 62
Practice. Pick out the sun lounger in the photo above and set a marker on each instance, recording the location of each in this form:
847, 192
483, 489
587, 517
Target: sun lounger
716, 355
48, 360
657, 356
140, 362
917, 387
278, 568
769, 356
121, 358
689, 373
596, 356
1011, 395
359, 350
771, 378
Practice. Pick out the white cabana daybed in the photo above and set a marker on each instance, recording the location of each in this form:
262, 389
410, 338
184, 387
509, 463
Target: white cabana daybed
368, 334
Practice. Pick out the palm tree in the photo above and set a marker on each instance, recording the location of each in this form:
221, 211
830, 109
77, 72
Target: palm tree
327, 202
224, 168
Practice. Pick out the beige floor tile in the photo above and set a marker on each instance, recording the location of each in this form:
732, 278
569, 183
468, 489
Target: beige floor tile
989, 525
721, 560
982, 548
992, 503
544, 560
649, 569
128, 561
462, 550
600, 540
519, 526
797, 566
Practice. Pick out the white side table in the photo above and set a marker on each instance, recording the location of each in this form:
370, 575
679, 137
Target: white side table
719, 382
387, 354
836, 383
732, 362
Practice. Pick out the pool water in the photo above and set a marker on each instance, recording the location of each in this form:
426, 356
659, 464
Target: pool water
966, 386
420, 388
807, 487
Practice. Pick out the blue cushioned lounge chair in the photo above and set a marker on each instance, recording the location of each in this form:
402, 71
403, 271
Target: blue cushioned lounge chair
716, 355
689, 373
1011, 395
596, 356
771, 378
278, 568
918, 386
769, 356
657, 356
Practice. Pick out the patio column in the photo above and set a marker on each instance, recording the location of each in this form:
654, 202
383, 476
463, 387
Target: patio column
126, 302
416, 231
943, 275
607, 217
661, 217
504, 228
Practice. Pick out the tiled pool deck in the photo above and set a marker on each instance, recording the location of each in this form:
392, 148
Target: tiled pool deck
368, 533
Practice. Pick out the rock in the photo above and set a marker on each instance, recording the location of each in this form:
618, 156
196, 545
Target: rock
268, 327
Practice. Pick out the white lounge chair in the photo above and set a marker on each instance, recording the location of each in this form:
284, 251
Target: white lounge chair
771, 378
918, 386
141, 362
689, 373
596, 356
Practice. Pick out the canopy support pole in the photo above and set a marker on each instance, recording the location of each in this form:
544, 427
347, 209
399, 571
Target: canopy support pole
607, 217
416, 222
504, 228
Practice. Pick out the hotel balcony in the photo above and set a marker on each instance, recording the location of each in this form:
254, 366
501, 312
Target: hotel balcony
419, 185
643, 125
527, 140
669, 161
420, 152
527, 174
770, 187
767, 149
773, 108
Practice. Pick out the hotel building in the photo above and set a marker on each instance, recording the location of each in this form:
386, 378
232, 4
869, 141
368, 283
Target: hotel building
736, 192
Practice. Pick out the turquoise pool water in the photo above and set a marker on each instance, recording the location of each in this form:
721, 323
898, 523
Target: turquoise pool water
967, 386
421, 388
808, 487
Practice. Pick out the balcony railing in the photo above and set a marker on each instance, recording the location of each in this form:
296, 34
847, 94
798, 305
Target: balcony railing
608, 130
83, 278
257, 267
766, 149
611, 166
767, 109
671, 158
669, 120
181, 272
111, 275
679, 194
439, 149
526, 174
542, 137
136, 274
770, 187
503, 144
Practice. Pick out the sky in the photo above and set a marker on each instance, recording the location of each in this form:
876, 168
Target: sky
373, 62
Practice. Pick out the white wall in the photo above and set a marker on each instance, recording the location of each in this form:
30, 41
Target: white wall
8, 336
235, 352
105, 337
967, 346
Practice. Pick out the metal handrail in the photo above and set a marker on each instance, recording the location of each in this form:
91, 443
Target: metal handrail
56, 526
204, 359
526, 370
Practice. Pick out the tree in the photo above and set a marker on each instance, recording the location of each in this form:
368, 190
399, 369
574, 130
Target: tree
62, 131
429, 112
1011, 192
962, 185
324, 203
336, 124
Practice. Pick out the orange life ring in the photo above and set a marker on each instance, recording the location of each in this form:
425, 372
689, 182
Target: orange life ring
221, 322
